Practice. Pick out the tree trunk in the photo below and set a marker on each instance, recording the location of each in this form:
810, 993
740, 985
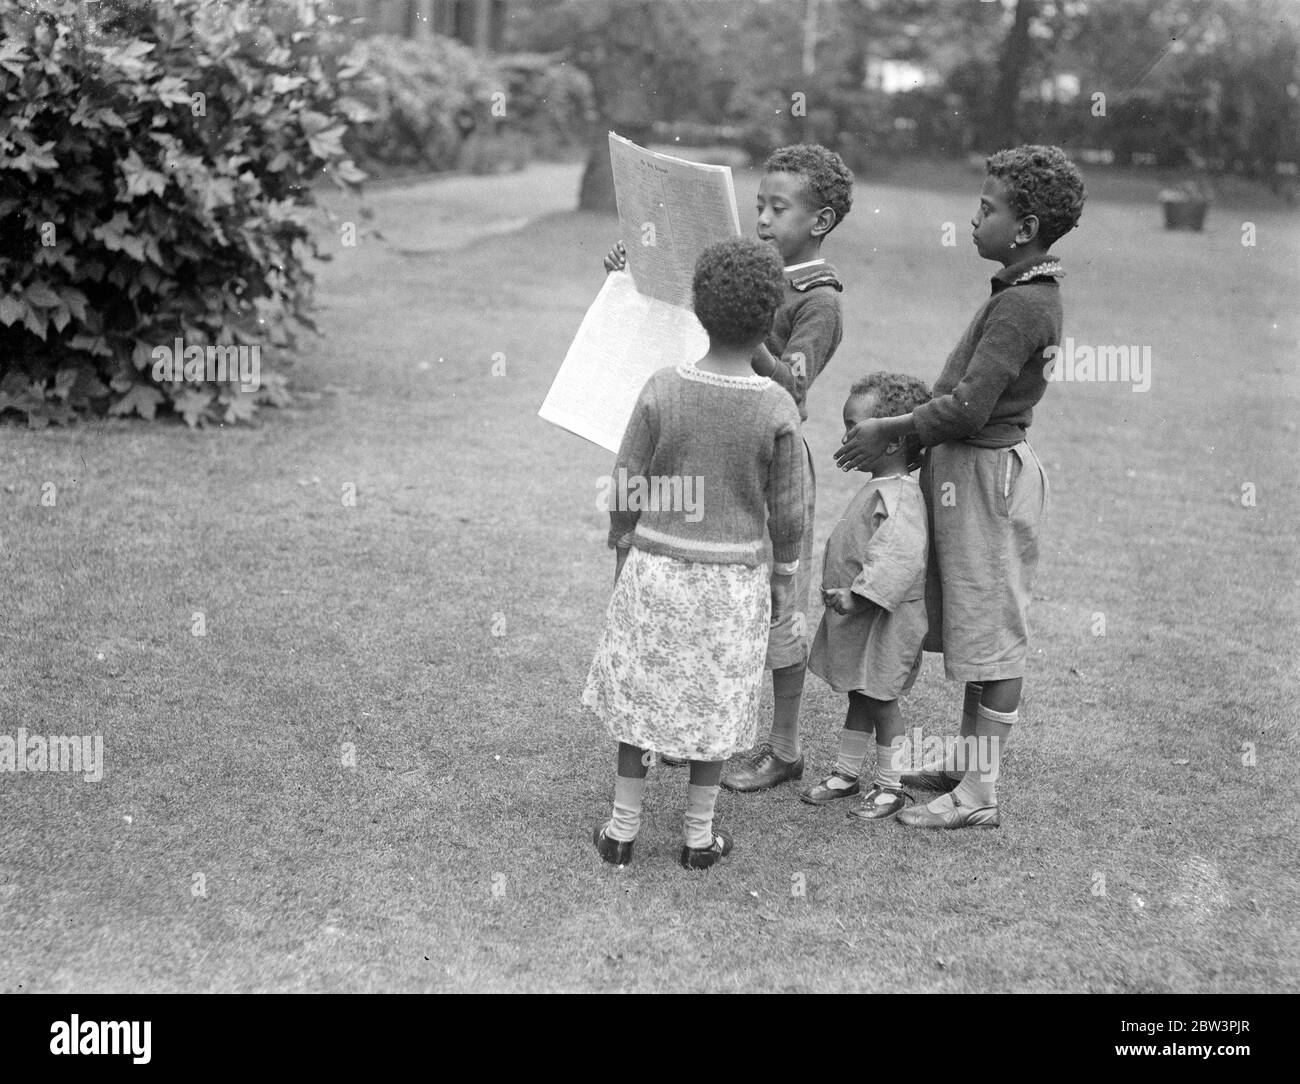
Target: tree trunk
597, 192
1005, 120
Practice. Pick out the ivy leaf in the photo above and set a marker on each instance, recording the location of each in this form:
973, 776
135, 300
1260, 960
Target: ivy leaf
75, 301
348, 173
35, 322
10, 52
112, 231
91, 344
172, 90
283, 84
313, 122
40, 294
275, 390
192, 404
142, 399
328, 144
241, 408
47, 412
11, 310
87, 386
128, 57
140, 179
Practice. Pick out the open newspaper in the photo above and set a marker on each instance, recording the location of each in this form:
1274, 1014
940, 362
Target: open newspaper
669, 210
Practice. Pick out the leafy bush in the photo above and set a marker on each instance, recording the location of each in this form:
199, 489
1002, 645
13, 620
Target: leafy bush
423, 98
547, 100
435, 104
155, 171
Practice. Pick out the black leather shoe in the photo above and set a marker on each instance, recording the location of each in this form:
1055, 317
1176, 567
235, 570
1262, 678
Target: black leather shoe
617, 852
878, 804
763, 770
823, 793
704, 857
930, 781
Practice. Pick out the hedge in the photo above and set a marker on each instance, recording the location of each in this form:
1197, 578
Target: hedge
155, 186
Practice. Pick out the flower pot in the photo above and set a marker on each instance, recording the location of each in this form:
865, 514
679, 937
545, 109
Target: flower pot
1184, 214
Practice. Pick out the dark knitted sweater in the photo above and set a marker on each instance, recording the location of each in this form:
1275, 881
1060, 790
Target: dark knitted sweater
805, 330
995, 374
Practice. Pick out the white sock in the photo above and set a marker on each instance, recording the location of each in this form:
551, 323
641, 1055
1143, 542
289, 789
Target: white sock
992, 732
853, 751
886, 774
626, 821
697, 822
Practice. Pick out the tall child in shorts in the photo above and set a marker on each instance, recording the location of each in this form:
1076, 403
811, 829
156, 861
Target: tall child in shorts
680, 665
805, 193
984, 487
873, 584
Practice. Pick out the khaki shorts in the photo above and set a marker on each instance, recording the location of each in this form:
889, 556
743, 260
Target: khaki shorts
788, 640
986, 506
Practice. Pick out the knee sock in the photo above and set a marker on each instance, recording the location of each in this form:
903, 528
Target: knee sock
854, 745
969, 708
887, 775
787, 694
992, 732
626, 821
697, 823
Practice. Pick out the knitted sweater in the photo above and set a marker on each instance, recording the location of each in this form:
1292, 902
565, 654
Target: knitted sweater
995, 374
806, 329
706, 462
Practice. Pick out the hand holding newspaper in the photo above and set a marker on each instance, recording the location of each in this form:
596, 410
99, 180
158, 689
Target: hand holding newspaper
669, 210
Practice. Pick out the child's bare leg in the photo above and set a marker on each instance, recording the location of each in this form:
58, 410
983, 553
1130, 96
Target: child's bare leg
706, 773
633, 761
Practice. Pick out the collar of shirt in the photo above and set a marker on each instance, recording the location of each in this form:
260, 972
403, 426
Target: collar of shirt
804, 276
1012, 273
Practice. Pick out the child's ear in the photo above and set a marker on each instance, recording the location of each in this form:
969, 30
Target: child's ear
1028, 229
824, 223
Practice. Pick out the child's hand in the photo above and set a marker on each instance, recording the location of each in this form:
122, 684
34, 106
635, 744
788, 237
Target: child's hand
863, 445
843, 601
616, 260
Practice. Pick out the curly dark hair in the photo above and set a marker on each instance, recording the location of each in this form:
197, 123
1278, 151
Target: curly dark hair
829, 181
896, 393
1041, 181
737, 286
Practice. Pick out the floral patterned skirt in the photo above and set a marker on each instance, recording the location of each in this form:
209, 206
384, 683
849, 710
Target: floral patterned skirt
679, 668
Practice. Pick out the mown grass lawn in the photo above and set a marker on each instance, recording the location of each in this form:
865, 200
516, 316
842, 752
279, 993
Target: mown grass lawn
442, 628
